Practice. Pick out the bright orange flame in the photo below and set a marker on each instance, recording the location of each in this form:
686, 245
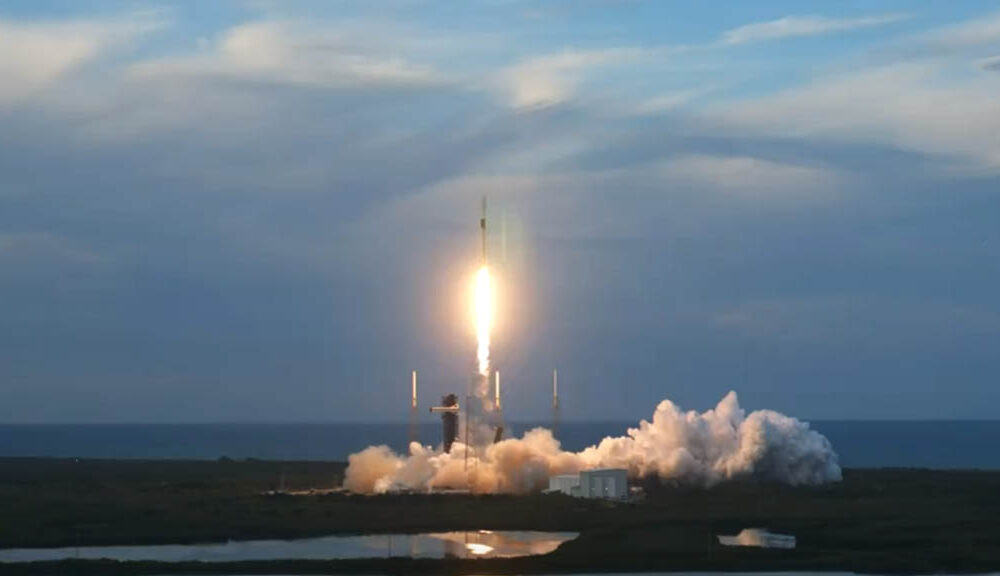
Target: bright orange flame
484, 318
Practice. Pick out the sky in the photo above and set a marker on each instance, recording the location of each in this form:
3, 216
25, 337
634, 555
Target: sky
268, 211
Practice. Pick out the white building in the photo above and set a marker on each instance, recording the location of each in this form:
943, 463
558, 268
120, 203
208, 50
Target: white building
568, 484
608, 483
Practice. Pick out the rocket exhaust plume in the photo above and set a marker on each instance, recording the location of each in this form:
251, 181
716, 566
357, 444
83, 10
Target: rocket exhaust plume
483, 422
718, 445
484, 313
484, 305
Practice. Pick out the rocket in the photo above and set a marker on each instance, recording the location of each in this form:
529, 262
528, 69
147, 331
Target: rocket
482, 229
496, 390
413, 401
555, 389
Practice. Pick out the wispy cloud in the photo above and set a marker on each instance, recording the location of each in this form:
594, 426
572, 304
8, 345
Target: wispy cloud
974, 32
912, 106
296, 54
33, 55
745, 174
992, 63
799, 26
553, 78
248, 178
668, 101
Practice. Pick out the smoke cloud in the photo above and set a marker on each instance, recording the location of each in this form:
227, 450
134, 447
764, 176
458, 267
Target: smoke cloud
704, 449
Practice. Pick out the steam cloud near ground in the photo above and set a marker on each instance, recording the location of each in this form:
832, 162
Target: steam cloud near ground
703, 449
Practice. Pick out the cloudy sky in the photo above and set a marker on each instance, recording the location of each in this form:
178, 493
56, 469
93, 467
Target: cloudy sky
267, 211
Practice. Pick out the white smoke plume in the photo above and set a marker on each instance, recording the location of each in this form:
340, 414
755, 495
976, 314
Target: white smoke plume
702, 449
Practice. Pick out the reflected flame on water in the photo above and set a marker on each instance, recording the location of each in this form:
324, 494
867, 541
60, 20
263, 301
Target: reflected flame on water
507, 544
479, 549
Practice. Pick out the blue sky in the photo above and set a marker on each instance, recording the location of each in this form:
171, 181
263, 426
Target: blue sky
266, 211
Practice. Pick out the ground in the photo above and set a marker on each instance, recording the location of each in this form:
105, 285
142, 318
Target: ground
874, 521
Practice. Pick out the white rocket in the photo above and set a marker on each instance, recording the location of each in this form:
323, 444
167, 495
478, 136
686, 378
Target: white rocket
482, 228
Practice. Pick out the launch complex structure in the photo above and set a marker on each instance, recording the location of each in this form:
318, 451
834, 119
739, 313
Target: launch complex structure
482, 410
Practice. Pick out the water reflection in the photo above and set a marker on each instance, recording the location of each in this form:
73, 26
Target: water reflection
479, 549
477, 544
509, 544
758, 538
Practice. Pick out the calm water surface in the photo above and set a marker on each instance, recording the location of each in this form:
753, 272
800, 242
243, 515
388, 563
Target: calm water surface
923, 444
481, 544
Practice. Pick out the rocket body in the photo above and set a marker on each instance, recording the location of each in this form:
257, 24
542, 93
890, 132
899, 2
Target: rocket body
482, 229
413, 401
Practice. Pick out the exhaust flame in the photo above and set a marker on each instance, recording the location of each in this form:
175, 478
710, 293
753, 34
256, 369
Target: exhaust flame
484, 319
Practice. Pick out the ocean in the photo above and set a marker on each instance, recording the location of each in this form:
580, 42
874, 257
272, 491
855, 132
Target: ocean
862, 444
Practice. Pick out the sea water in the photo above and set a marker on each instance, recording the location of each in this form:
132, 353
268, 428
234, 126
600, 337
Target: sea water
924, 444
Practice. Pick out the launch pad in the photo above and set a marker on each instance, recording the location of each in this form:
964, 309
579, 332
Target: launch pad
483, 415
475, 420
